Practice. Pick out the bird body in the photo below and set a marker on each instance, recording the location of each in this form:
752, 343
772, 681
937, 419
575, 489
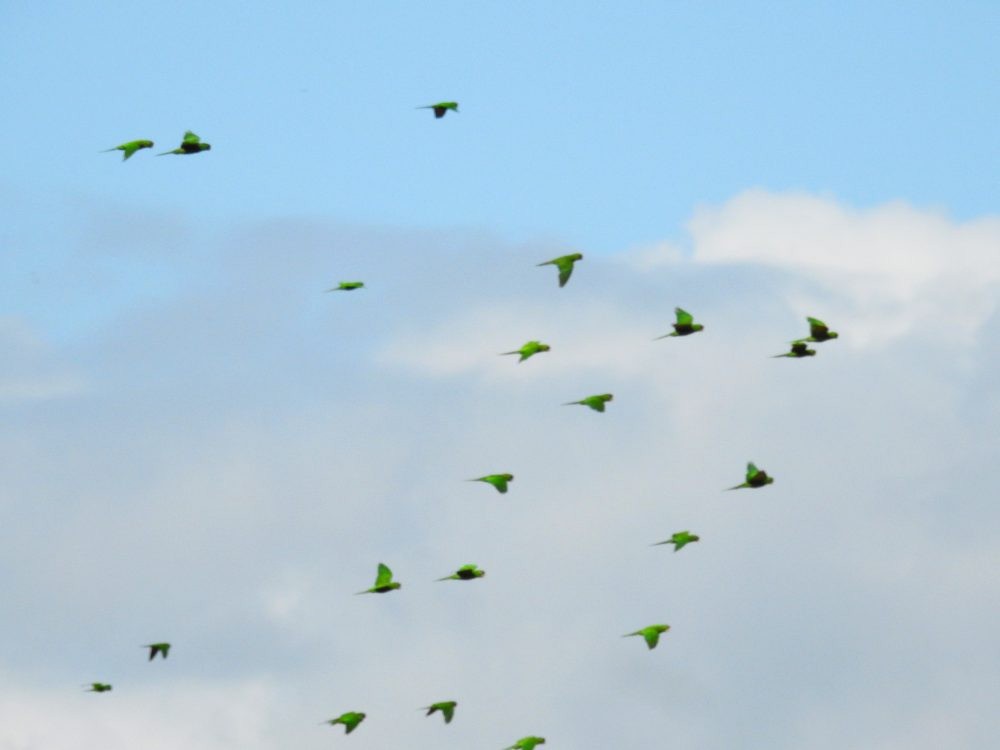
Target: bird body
499, 481
818, 332
350, 720
565, 265
163, 649
594, 402
530, 349
755, 478
684, 326
680, 539
447, 709
442, 108
465, 573
98, 687
526, 743
650, 633
347, 286
383, 582
799, 350
130, 147
190, 144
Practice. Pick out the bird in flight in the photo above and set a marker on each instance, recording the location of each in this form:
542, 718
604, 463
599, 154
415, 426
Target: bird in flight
383, 582
679, 539
157, 648
499, 481
651, 634
447, 709
526, 743
97, 687
347, 286
350, 720
442, 108
684, 326
530, 349
755, 478
129, 148
594, 402
191, 144
818, 332
565, 265
799, 349
465, 573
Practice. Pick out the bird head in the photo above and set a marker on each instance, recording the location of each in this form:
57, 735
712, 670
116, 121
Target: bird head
543, 348
697, 327
574, 256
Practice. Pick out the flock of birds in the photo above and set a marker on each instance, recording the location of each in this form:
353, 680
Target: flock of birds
684, 326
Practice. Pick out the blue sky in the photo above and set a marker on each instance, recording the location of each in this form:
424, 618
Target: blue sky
199, 445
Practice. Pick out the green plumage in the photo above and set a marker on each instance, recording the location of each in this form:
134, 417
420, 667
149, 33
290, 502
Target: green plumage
650, 633
818, 332
565, 265
350, 720
98, 687
163, 649
680, 539
347, 286
447, 709
530, 349
190, 144
130, 148
383, 582
754, 478
465, 573
497, 480
526, 743
684, 326
594, 402
442, 108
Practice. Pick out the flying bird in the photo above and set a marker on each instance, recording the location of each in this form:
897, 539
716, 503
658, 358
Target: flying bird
528, 350
157, 648
684, 326
497, 480
350, 720
679, 539
130, 148
651, 633
594, 402
383, 583
97, 687
799, 349
565, 265
191, 144
447, 709
526, 743
818, 332
442, 108
465, 573
755, 478
347, 286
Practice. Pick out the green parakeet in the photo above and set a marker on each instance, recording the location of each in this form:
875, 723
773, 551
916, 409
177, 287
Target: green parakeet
383, 582
528, 350
651, 633
818, 331
191, 144
679, 540
347, 286
97, 687
565, 265
526, 743
497, 480
442, 108
684, 326
158, 648
799, 350
594, 402
755, 478
350, 720
465, 573
447, 709
130, 148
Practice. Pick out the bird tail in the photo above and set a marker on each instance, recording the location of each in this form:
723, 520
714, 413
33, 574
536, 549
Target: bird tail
356, 593
737, 487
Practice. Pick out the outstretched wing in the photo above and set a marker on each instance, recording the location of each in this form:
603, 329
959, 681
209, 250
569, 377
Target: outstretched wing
565, 270
799, 348
384, 577
817, 328
652, 637
752, 471
684, 318
190, 137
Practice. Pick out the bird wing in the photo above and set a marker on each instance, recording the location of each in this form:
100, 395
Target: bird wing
752, 471
799, 347
817, 328
652, 637
384, 576
683, 317
190, 137
448, 709
565, 270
